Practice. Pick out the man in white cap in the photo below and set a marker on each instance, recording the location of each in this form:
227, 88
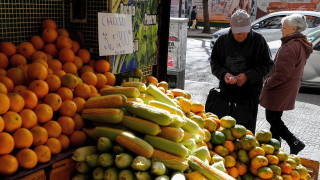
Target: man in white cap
240, 59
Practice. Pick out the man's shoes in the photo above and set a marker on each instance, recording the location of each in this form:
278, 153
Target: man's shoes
296, 146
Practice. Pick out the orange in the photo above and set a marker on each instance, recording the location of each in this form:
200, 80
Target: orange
255, 151
63, 32
59, 73
27, 158
44, 113
37, 42
65, 93
242, 168
70, 67
6, 143
153, 80
185, 105
263, 136
37, 71
22, 138
93, 90
82, 90
16, 75
75, 46
272, 159
102, 66
78, 138
17, 60
4, 103
65, 142
1, 124
101, 80
4, 62
63, 42
86, 68
40, 135
265, 172
39, 87
84, 55
43, 153
295, 175
80, 103
53, 100
7, 82
49, 35
259, 161
53, 128
8, 164
285, 168
78, 122
51, 49
8, 48
68, 108
49, 23
28, 118
26, 49
54, 145
3, 88
229, 145
19, 89
2, 72
269, 149
39, 55
30, 99
66, 55
89, 78
78, 62
196, 107
243, 156
222, 151
12, 121
229, 161
53, 82
281, 155
247, 142
111, 78
54, 64
233, 171
67, 124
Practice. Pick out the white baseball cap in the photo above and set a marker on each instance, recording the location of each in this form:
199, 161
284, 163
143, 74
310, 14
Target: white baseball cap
240, 22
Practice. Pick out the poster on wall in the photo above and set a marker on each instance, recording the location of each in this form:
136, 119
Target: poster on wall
174, 8
144, 31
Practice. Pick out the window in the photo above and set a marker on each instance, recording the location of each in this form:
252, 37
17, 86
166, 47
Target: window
312, 21
271, 23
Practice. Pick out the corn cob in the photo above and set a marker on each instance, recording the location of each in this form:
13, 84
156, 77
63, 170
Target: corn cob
108, 132
139, 85
81, 153
135, 144
159, 95
109, 101
164, 106
171, 133
177, 121
195, 175
169, 160
141, 125
150, 113
146, 98
138, 100
206, 170
167, 146
130, 92
190, 126
103, 115
90, 133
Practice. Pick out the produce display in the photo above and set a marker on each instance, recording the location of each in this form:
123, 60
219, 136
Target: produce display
54, 97
44, 84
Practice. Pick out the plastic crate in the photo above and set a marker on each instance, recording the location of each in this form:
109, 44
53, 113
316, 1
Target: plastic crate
312, 166
176, 79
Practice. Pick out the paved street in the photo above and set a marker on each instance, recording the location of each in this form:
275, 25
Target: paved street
304, 120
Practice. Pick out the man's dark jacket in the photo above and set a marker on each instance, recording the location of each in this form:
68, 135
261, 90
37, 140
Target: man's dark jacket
252, 57
193, 14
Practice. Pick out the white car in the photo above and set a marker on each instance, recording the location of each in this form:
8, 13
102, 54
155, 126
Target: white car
269, 25
311, 73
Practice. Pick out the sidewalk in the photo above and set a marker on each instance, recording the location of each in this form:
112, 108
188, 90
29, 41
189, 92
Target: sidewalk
197, 33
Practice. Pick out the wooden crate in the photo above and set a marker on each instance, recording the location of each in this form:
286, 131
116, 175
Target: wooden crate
38, 175
312, 166
62, 169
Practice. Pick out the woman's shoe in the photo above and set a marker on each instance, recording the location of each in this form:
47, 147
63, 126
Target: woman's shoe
296, 146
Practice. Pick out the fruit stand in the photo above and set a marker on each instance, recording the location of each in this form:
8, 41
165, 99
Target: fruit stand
65, 114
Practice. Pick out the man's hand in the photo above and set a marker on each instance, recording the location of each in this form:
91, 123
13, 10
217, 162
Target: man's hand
230, 79
241, 79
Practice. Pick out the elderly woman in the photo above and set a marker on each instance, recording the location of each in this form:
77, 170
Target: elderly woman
282, 84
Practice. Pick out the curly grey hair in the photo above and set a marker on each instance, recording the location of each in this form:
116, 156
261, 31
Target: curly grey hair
296, 20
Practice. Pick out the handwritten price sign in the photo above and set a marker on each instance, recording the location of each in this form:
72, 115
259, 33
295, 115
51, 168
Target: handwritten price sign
115, 34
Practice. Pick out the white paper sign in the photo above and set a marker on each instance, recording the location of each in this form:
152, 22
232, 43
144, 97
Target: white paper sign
115, 34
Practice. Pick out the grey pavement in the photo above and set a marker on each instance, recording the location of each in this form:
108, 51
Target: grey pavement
303, 121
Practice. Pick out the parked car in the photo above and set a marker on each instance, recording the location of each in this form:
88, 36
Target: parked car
311, 73
269, 25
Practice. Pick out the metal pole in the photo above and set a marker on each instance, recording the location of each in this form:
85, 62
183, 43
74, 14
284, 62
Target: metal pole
180, 8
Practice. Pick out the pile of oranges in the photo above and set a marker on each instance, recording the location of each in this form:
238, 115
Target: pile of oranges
248, 156
44, 84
